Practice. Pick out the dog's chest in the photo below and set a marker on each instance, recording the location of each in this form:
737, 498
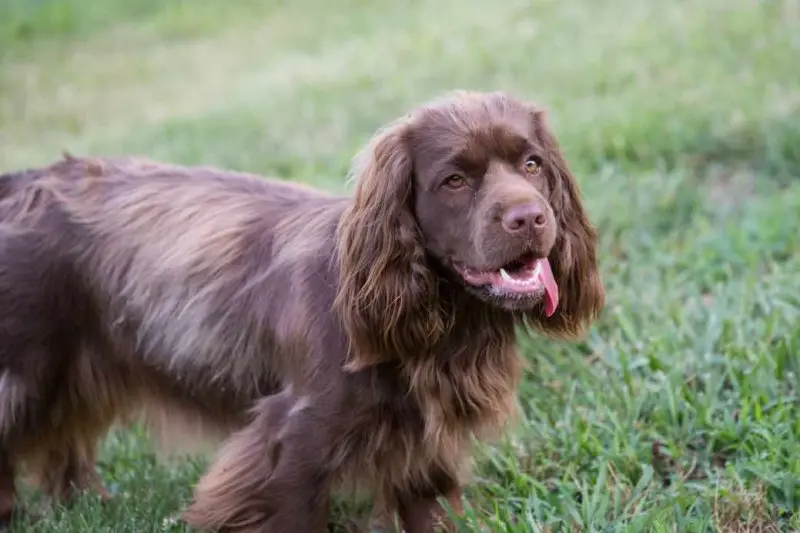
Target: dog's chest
428, 418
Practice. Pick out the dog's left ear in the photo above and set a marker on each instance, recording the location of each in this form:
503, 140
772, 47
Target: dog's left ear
386, 296
574, 255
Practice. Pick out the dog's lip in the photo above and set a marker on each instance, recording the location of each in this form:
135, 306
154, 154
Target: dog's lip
526, 276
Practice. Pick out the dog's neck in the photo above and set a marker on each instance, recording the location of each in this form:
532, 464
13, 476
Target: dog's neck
468, 379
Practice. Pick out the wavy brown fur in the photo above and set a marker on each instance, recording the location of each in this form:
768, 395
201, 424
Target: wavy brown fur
330, 339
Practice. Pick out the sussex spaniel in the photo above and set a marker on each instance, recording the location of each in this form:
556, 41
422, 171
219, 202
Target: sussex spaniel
332, 341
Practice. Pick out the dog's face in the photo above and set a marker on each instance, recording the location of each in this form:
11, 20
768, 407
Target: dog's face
482, 182
473, 184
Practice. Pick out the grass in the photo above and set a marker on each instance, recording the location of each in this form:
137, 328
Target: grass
679, 412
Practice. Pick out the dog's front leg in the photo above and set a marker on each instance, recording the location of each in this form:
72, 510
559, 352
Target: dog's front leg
422, 512
273, 476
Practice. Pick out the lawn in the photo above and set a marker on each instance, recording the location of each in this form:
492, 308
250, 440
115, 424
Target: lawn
680, 410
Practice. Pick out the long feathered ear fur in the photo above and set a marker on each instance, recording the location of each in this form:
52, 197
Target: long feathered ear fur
387, 295
573, 258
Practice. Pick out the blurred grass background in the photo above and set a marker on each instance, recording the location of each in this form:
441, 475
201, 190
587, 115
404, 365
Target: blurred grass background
682, 121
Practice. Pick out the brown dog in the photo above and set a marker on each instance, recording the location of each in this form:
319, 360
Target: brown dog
360, 341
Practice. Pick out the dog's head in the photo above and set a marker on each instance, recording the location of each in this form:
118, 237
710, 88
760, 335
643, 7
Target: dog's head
472, 187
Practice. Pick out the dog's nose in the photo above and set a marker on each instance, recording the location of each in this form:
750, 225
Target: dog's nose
522, 218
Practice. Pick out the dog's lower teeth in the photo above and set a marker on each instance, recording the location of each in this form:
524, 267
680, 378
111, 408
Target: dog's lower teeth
524, 279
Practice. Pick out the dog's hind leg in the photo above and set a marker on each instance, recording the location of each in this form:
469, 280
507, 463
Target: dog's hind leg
54, 434
8, 493
13, 403
70, 471
23, 416
43, 330
93, 394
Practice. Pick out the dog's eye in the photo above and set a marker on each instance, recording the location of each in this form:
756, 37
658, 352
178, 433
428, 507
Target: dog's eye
454, 182
533, 165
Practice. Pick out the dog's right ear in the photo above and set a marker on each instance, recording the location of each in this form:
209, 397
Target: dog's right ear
386, 293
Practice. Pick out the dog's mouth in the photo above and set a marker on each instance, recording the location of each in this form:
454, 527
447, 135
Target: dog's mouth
526, 276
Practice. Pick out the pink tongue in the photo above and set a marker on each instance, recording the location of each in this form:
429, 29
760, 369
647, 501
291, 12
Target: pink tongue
550, 288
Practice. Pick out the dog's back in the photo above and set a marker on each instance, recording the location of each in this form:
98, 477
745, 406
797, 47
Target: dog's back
168, 252
14, 181
13, 187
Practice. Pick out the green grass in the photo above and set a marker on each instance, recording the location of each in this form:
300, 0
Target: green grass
679, 412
